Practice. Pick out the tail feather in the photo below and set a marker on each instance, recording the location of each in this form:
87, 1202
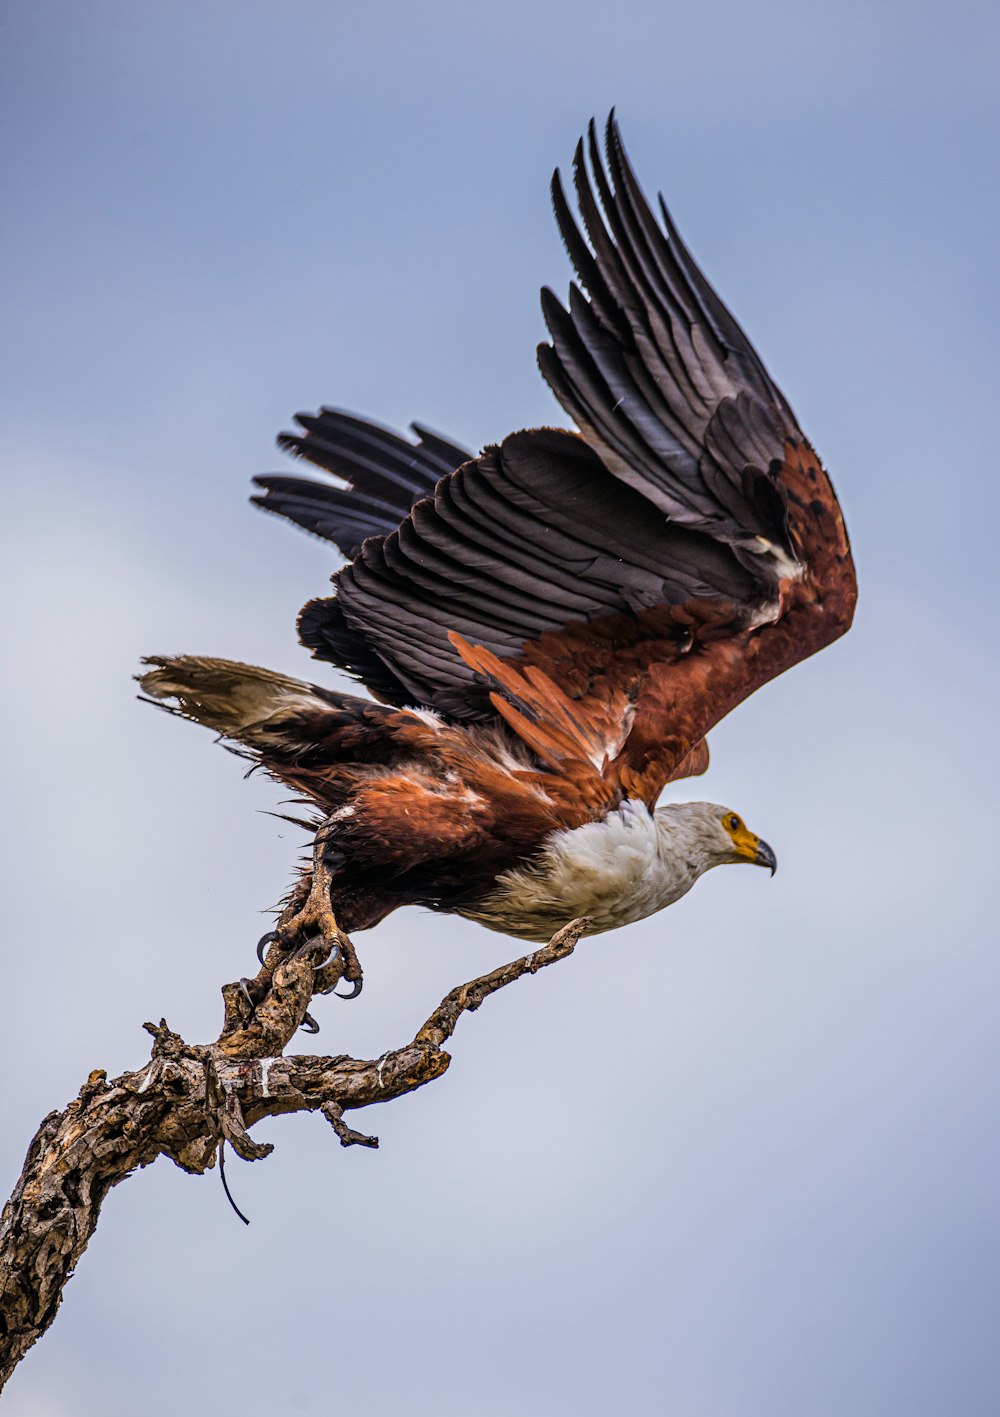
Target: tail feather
321, 743
240, 701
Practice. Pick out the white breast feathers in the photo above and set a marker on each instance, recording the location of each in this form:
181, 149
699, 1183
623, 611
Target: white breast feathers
623, 868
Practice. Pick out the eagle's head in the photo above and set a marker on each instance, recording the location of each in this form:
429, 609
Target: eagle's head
716, 836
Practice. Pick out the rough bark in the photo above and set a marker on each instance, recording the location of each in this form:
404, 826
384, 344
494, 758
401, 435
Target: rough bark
189, 1100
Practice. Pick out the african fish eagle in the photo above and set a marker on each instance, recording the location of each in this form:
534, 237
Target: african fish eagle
548, 630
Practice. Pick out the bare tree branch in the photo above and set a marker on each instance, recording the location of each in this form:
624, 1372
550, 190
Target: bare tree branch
189, 1100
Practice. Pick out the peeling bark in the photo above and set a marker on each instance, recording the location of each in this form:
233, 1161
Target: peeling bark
189, 1100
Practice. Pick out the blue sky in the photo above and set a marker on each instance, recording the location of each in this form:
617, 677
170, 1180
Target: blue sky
739, 1159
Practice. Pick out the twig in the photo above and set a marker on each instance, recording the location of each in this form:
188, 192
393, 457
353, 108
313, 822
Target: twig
225, 1183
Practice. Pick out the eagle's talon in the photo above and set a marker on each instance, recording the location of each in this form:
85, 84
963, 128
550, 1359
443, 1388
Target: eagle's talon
307, 923
245, 991
269, 939
309, 1024
352, 973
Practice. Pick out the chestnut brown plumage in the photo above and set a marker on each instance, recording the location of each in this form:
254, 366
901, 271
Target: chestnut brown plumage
553, 627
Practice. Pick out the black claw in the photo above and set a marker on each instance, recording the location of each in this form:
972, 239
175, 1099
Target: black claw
355, 990
245, 991
263, 943
309, 1024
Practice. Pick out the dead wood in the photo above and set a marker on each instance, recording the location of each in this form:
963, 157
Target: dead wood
189, 1100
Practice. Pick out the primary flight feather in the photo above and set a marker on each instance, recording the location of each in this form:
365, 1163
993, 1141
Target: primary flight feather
549, 629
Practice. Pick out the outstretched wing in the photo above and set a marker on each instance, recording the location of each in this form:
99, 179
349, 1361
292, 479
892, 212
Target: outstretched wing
651, 570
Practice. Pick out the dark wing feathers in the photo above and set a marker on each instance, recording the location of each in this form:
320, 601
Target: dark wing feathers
497, 528
681, 548
323, 628
442, 451
336, 514
383, 475
525, 539
372, 457
648, 398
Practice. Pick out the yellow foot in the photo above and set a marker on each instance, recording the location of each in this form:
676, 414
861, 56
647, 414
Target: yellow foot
308, 916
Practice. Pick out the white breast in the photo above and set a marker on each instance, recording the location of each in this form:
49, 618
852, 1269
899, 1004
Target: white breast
617, 870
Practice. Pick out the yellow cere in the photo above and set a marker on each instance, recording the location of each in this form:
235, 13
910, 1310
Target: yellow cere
745, 841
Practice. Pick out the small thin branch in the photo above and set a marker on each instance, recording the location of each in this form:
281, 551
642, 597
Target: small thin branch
334, 1114
225, 1183
189, 1100
468, 997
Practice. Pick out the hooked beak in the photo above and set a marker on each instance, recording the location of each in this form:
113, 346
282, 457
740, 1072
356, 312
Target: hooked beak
764, 856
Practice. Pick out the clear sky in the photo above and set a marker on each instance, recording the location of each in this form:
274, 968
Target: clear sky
741, 1160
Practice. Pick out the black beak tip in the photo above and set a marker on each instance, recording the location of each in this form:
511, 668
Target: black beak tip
766, 857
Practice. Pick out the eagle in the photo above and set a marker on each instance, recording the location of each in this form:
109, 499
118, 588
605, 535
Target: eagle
549, 630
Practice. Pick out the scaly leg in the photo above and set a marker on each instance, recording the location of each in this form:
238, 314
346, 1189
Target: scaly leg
310, 913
